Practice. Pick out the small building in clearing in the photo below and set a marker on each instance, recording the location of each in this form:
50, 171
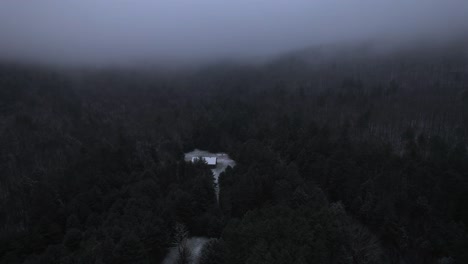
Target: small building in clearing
211, 161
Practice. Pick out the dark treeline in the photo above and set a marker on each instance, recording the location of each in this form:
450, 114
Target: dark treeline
345, 159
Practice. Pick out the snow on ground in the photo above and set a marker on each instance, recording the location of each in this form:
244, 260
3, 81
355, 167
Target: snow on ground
194, 243
223, 161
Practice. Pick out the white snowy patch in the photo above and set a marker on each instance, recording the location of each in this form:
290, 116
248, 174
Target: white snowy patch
222, 162
195, 244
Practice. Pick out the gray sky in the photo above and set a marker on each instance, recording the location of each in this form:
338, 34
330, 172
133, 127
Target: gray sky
122, 31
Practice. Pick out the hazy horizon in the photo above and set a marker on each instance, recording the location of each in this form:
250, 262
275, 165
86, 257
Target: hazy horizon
103, 32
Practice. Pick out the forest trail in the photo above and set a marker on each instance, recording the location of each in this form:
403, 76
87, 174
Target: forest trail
222, 162
195, 244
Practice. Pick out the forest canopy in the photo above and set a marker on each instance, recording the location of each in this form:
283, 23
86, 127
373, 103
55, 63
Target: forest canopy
357, 158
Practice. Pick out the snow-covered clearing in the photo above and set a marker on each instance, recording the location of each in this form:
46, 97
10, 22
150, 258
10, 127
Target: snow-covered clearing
223, 161
195, 244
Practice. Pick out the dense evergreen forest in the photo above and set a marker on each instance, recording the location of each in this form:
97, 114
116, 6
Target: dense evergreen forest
342, 157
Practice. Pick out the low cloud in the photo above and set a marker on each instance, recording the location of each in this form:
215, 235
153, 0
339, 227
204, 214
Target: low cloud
125, 31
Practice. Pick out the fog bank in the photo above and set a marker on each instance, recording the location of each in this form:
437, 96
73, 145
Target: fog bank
123, 31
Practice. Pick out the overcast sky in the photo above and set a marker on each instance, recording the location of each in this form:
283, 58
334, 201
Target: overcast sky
119, 31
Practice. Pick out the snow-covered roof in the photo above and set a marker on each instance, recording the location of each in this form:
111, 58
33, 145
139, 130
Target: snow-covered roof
208, 160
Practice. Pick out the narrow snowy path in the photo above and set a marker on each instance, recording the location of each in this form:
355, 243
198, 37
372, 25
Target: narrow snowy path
223, 161
196, 243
